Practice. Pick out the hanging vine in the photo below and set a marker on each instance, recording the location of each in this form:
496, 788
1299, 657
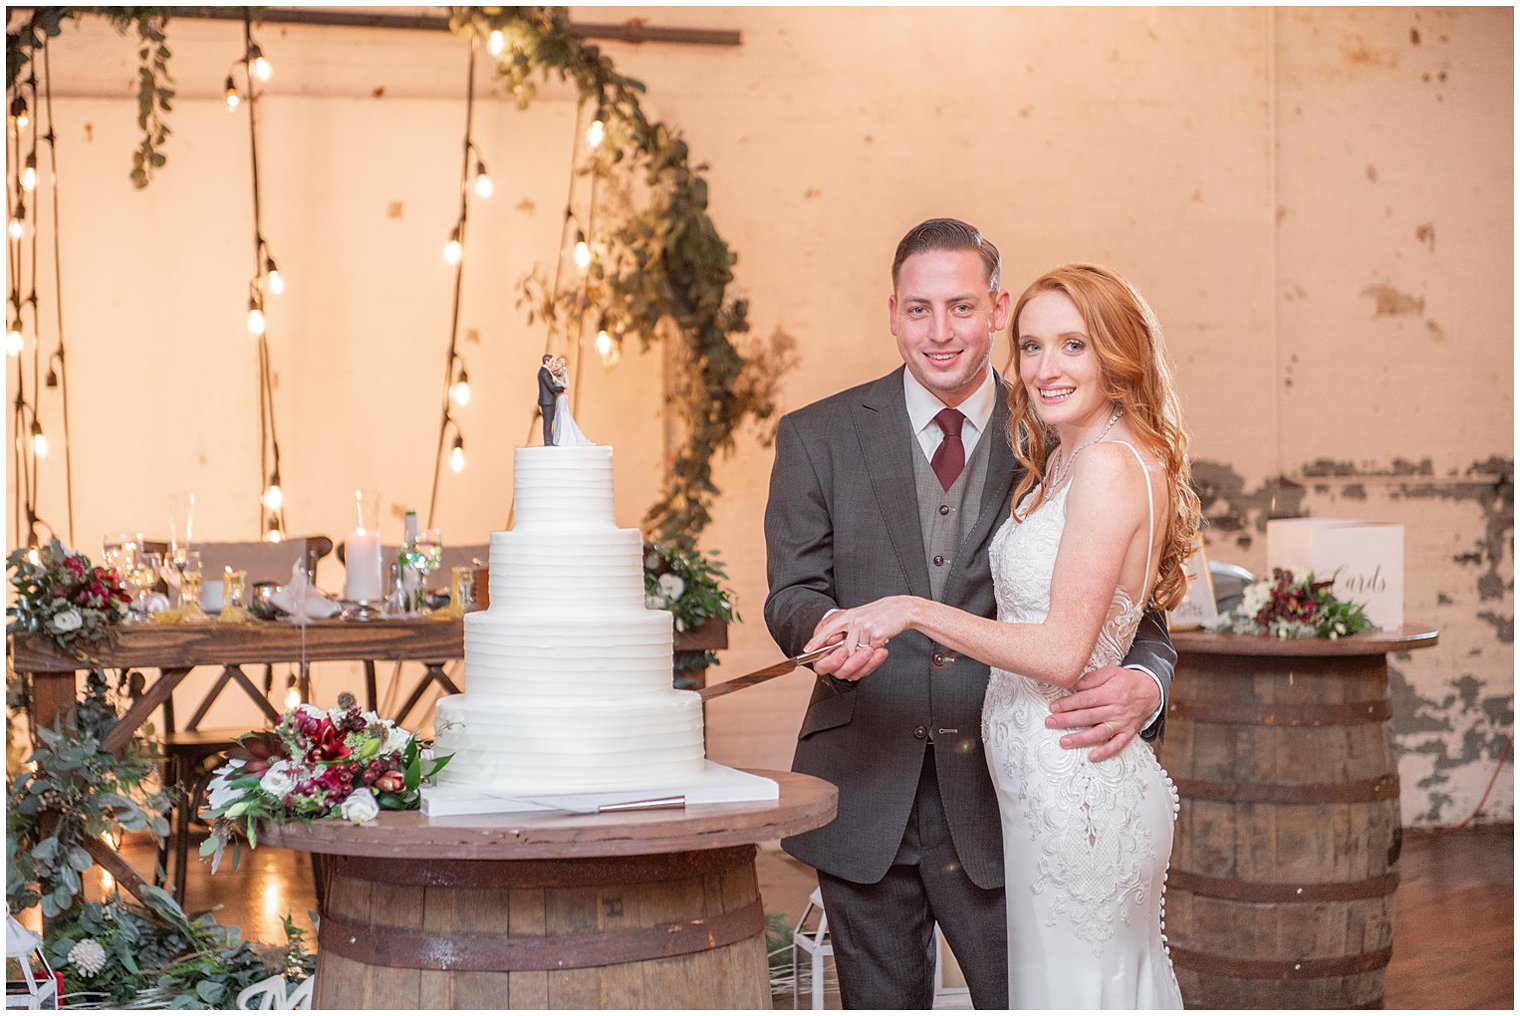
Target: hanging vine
662, 270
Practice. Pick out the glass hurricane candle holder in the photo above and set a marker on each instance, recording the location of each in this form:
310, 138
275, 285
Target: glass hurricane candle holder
234, 596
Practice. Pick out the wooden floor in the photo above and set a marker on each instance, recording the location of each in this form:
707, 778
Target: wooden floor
1453, 943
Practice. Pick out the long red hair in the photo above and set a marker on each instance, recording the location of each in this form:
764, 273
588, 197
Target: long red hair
1136, 375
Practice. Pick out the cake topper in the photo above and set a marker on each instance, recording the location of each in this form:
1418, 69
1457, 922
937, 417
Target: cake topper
554, 403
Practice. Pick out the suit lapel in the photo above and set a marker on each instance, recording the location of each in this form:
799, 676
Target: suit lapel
1001, 466
885, 434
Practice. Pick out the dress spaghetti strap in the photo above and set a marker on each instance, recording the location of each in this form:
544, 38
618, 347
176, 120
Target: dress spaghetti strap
1150, 515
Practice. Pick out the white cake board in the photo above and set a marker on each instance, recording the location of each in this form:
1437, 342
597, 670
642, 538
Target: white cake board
716, 784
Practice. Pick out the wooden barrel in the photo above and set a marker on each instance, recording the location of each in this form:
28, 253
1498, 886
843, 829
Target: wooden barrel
1280, 893
670, 931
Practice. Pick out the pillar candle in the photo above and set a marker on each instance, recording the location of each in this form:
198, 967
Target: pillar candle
361, 562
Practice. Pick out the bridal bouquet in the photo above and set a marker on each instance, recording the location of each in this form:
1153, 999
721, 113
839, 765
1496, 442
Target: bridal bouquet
1293, 605
316, 763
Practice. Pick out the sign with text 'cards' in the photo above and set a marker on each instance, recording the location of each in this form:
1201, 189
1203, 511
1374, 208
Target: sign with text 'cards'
1366, 559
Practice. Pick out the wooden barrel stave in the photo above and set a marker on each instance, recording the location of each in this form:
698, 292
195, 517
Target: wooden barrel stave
656, 904
1288, 832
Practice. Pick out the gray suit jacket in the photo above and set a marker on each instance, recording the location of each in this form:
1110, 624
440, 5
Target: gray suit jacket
842, 529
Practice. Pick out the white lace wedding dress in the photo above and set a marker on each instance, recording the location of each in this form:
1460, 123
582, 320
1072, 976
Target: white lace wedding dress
1085, 843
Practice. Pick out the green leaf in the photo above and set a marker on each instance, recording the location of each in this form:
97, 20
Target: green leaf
79, 858
414, 773
211, 991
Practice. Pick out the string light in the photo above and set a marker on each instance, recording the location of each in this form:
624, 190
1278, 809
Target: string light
610, 349
255, 318
232, 95
604, 343
29, 174
274, 497
276, 280
456, 457
582, 251
453, 250
14, 340
483, 186
459, 392
292, 694
596, 132
35, 558
498, 42
273, 535
39, 440
20, 113
261, 67
17, 225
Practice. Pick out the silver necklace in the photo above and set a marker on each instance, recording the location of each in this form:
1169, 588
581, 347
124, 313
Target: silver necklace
1059, 470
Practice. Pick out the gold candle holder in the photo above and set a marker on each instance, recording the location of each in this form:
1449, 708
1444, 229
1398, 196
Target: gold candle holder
461, 590
234, 596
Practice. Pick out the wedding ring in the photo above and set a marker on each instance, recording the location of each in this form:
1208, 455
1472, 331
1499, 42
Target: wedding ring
1112, 730
862, 645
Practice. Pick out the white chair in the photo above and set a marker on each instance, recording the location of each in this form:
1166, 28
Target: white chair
274, 993
817, 944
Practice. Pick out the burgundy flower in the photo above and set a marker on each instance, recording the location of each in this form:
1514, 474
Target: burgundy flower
327, 743
259, 750
391, 781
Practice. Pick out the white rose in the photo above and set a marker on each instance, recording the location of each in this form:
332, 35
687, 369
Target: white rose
69, 620
654, 602
88, 956
395, 739
360, 806
672, 586
278, 779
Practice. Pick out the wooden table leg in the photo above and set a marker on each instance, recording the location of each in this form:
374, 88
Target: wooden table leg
54, 694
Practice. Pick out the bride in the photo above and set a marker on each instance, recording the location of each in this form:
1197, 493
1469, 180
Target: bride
565, 432
1103, 525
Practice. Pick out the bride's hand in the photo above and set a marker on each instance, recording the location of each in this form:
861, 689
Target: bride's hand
869, 626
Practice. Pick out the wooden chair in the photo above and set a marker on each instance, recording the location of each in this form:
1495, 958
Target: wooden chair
188, 751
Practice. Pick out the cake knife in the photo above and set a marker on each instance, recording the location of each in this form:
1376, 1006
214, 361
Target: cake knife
764, 674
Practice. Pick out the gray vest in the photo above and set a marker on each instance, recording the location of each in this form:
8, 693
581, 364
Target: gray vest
942, 514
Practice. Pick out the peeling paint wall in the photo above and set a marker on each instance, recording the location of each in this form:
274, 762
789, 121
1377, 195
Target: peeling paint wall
1317, 202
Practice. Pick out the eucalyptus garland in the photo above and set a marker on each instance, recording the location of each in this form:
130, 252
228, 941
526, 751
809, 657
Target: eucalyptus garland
663, 267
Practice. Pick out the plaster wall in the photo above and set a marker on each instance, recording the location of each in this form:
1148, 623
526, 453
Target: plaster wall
1317, 203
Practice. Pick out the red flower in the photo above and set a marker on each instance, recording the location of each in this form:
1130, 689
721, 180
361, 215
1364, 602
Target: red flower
391, 781
327, 743
259, 751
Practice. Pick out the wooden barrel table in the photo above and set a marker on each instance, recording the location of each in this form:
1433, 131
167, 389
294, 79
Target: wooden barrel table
634, 910
1280, 893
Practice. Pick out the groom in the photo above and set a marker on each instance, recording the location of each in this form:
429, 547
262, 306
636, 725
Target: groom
548, 388
897, 486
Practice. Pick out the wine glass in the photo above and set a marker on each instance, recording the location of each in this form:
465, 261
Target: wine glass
120, 551
190, 587
142, 577
424, 553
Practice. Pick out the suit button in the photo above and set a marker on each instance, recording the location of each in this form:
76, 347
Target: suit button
939, 659
920, 732
939, 559
944, 509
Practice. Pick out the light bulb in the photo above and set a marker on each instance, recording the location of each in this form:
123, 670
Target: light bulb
255, 319
456, 457
460, 393
20, 112
582, 255
274, 497
15, 228
39, 441
596, 133
273, 535
13, 339
292, 694
483, 186
29, 174
262, 69
232, 95
604, 343
35, 558
276, 282
453, 250
497, 42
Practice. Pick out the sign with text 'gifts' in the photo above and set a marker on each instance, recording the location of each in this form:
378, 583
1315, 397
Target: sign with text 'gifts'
1366, 558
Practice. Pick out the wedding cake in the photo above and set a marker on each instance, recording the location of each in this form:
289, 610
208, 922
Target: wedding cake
567, 675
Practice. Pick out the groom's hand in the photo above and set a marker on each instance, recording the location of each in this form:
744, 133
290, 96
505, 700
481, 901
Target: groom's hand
1113, 702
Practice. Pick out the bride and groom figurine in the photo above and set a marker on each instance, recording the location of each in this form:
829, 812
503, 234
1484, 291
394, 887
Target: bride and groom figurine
987, 593
554, 404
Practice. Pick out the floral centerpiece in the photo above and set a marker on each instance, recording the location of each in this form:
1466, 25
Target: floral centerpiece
60, 595
688, 584
316, 763
1293, 605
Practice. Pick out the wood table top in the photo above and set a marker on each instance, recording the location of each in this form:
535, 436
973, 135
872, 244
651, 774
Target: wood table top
1411, 636
805, 803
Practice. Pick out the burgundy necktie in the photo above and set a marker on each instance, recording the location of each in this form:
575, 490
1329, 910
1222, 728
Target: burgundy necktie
950, 457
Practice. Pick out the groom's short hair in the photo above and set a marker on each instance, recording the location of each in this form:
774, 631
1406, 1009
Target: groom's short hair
951, 235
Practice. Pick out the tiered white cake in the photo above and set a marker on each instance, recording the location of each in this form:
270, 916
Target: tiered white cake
567, 674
